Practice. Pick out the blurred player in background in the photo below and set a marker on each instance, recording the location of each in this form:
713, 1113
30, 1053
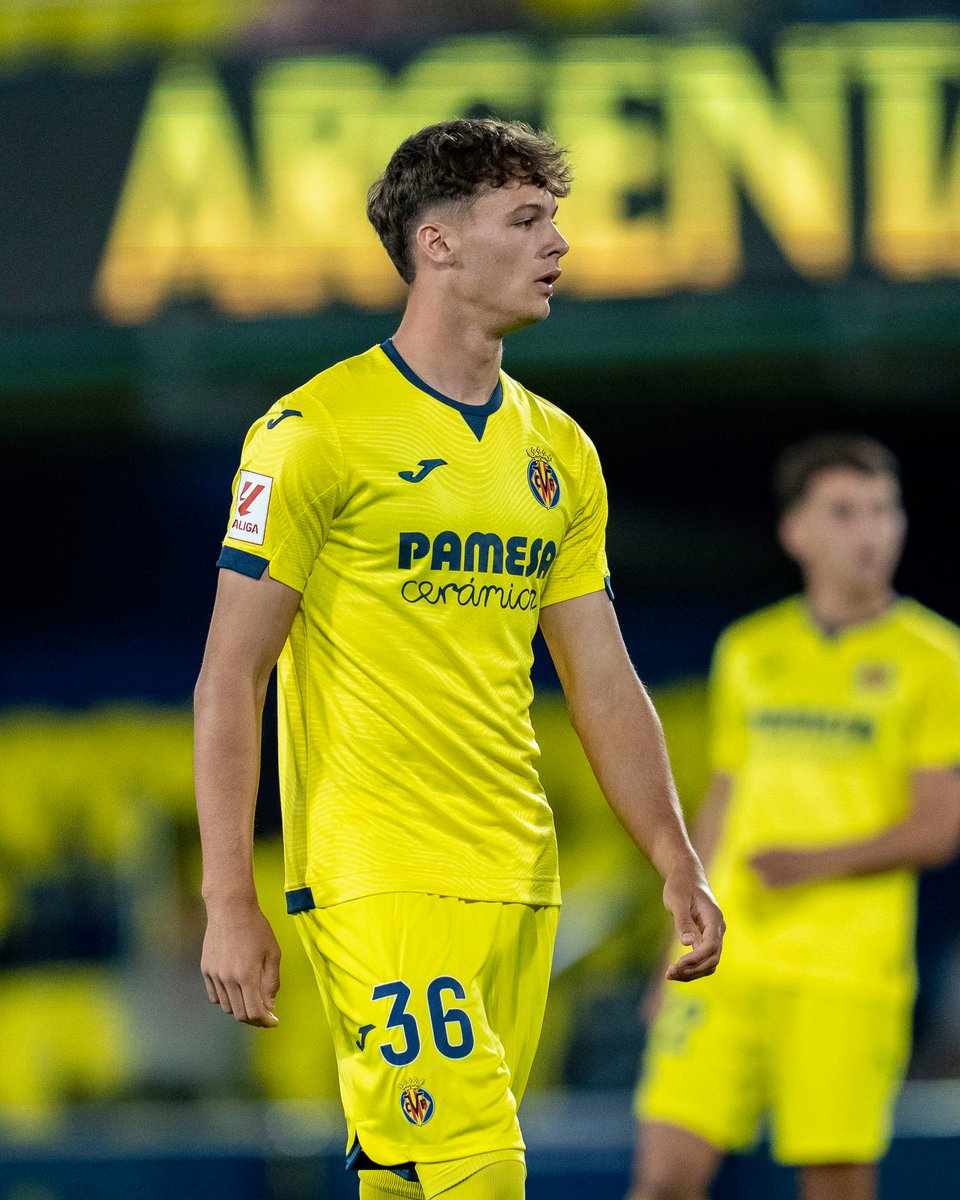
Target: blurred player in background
400, 526
836, 744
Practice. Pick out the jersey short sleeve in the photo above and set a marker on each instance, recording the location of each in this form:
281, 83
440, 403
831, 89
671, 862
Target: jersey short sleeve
285, 493
581, 563
728, 741
933, 731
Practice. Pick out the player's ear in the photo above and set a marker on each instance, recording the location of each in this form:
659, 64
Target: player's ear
790, 534
436, 242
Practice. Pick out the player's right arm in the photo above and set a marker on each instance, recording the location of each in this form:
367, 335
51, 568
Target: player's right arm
250, 623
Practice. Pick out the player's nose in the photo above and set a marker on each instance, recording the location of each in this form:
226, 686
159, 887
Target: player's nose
558, 243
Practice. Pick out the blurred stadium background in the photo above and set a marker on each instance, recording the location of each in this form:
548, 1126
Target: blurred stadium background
766, 242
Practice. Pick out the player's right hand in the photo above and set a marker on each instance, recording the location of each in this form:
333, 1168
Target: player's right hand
240, 963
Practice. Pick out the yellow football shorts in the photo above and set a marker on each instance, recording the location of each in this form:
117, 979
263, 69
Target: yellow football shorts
435, 1005
820, 1064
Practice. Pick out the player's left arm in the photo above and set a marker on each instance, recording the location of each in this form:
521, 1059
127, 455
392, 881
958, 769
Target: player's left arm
928, 836
623, 740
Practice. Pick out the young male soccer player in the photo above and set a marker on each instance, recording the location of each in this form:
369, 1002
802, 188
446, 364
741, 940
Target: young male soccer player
400, 526
836, 748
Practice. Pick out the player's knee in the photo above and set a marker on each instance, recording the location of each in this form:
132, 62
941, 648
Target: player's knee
662, 1186
666, 1191
673, 1164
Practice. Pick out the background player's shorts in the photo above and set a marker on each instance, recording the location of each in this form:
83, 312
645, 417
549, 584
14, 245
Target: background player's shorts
435, 1005
821, 1063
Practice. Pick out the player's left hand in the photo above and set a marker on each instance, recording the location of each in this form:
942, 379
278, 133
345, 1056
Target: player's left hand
786, 866
699, 924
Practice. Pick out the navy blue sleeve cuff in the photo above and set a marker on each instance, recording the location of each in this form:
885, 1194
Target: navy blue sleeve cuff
243, 562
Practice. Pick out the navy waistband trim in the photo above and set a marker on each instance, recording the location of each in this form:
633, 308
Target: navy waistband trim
358, 1160
300, 900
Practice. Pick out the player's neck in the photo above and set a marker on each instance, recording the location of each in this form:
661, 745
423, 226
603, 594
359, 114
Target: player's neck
834, 609
451, 353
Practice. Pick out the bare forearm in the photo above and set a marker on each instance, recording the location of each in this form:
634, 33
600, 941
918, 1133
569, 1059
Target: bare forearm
926, 837
226, 772
241, 958
905, 846
623, 739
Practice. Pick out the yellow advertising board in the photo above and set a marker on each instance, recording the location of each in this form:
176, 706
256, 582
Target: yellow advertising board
671, 141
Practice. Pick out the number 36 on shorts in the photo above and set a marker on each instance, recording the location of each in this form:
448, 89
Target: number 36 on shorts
450, 1027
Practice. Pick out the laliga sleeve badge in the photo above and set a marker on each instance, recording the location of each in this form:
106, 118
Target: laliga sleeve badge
248, 522
416, 1103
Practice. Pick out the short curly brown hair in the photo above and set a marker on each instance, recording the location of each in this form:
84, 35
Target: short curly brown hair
457, 160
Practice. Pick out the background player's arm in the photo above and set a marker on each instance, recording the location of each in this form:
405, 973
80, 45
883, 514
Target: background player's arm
250, 623
623, 739
708, 824
929, 836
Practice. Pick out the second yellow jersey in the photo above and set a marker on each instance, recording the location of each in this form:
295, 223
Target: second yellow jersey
425, 536
820, 735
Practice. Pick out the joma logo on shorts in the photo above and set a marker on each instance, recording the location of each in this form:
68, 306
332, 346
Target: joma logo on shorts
483, 553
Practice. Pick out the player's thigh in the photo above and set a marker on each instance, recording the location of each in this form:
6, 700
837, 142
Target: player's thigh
704, 1066
409, 981
839, 1059
515, 980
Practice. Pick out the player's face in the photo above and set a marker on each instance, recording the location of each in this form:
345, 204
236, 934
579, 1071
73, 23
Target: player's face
508, 253
848, 530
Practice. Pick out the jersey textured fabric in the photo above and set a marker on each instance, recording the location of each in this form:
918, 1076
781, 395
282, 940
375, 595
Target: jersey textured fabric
425, 536
819, 734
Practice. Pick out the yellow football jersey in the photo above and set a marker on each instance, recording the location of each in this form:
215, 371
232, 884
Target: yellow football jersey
820, 734
425, 536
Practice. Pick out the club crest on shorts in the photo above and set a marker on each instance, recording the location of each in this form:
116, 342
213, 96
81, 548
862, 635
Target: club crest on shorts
542, 478
416, 1103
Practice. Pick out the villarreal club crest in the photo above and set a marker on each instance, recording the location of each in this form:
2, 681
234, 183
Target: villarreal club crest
542, 478
416, 1103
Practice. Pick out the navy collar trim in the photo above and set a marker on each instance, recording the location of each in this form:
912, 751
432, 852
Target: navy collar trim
475, 415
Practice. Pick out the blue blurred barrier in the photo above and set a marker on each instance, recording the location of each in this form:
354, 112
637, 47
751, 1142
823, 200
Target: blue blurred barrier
103, 1174
579, 1149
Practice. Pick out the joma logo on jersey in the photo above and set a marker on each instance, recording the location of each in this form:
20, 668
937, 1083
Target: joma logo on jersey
484, 553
